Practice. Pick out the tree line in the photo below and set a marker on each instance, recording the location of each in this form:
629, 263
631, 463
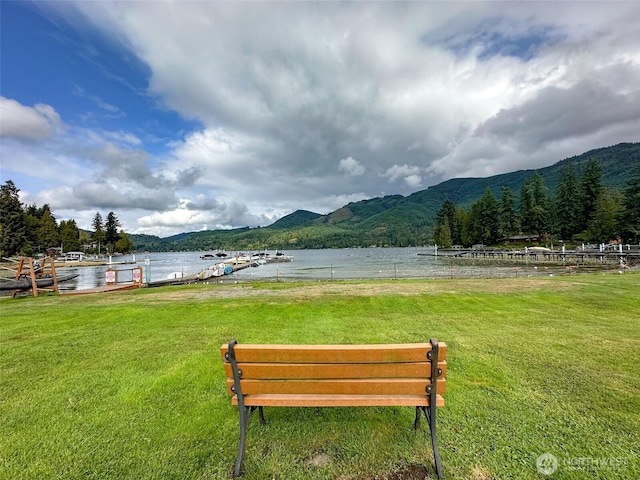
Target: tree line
580, 210
26, 230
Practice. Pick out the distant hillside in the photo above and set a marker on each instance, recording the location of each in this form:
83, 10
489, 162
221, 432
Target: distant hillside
616, 161
392, 220
299, 218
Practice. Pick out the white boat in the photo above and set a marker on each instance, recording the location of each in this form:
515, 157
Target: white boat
72, 257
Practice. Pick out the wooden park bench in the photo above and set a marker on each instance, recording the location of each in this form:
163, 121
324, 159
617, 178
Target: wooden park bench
336, 376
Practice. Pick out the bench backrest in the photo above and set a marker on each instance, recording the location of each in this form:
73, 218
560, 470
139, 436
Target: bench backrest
394, 374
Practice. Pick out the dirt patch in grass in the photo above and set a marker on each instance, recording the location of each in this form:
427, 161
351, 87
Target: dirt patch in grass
318, 460
410, 472
480, 473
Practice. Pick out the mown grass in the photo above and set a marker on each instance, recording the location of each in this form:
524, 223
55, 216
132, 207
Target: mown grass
131, 385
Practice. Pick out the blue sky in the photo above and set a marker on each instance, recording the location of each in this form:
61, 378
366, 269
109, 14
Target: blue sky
200, 115
93, 81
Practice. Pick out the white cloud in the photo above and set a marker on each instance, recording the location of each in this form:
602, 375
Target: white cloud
353, 80
413, 181
28, 123
561, 113
404, 93
408, 173
205, 215
123, 137
351, 167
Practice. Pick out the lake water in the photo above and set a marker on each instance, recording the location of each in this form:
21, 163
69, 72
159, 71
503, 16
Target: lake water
328, 264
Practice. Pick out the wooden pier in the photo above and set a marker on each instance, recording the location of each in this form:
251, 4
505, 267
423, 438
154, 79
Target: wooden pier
115, 282
577, 257
103, 289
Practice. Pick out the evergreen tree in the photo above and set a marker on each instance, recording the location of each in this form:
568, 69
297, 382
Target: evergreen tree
98, 234
124, 245
32, 216
463, 219
604, 221
474, 225
448, 212
70, 236
590, 188
13, 239
443, 238
508, 224
456, 227
534, 206
85, 238
568, 207
48, 233
111, 229
526, 206
484, 218
629, 218
491, 218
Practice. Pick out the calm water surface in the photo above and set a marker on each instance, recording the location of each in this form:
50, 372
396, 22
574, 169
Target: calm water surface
328, 264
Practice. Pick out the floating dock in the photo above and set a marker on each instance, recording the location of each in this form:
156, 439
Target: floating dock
629, 257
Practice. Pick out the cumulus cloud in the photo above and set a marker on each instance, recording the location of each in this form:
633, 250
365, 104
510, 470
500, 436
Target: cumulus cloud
413, 181
410, 174
405, 94
373, 89
112, 195
351, 167
203, 214
560, 113
27, 123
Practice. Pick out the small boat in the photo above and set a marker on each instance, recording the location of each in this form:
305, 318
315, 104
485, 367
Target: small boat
207, 256
174, 275
279, 258
209, 273
178, 280
539, 249
71, 257
24, 283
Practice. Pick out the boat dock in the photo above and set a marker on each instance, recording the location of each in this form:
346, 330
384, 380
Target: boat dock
103, 289
533, 255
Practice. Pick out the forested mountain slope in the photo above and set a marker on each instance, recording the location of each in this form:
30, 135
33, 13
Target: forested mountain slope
392, 220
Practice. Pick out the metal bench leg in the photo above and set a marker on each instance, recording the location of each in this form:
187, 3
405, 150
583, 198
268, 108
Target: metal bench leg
432, 389
416, 422
245, 413
434, 440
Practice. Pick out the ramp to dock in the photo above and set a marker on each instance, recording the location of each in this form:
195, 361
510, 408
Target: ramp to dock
103, 289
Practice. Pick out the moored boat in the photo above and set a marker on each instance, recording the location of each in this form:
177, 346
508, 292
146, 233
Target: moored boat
24, 283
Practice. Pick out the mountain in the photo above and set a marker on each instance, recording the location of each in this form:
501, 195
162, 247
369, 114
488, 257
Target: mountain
393, 220
299, 218
616, 162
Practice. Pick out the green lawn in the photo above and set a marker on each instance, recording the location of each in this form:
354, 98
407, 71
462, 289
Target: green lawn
130, 385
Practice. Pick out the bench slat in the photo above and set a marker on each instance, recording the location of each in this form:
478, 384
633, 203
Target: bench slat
387, 386
269, 400
410, 352
324, 370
